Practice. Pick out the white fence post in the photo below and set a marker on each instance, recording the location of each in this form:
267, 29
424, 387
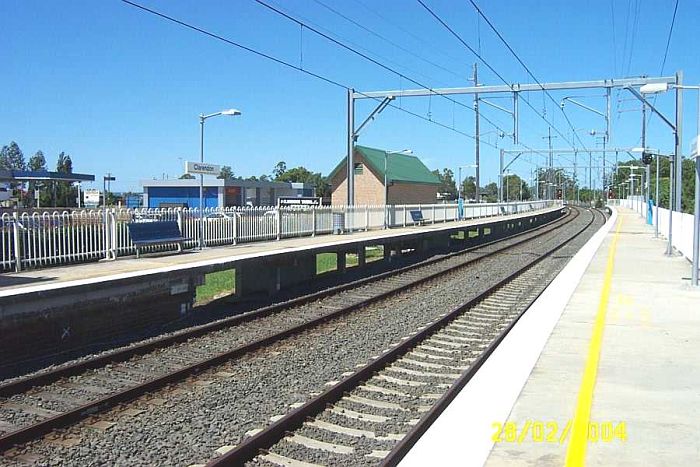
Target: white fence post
279, 222
17, 246
404, 215
366, 217
313, 221
433, 219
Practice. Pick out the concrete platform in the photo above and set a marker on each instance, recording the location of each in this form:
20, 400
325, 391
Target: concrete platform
63, 310
603, 370
44, 279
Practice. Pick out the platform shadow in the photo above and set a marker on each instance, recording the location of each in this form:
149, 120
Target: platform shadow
10, 281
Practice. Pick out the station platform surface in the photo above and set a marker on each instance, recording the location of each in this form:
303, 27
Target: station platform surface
602, 370
51, 278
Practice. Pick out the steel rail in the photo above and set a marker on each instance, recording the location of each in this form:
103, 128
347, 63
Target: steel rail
40, 428
20, 385
251, 447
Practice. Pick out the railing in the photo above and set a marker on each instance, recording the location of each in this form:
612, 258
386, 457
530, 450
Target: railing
42, 238
682, 225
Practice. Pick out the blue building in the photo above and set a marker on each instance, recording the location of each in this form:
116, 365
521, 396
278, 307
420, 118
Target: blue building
219, 192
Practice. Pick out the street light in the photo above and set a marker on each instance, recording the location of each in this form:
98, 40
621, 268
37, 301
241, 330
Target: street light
386, 182
202, 119
459, 186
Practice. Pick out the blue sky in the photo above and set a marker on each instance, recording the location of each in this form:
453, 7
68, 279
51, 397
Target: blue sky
120, 90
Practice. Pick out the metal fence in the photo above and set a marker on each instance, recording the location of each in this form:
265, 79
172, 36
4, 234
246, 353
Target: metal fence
41, 239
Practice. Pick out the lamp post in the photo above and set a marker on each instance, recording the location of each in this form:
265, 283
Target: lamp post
459, 186
505, 182
658, 88
202, 119
386, 182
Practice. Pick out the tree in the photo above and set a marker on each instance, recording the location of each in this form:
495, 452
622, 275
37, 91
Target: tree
448, 187
279, 169
36, 163
11, 157
226, 173
303, 175
65, 193
186, 177
491, 192
469, 188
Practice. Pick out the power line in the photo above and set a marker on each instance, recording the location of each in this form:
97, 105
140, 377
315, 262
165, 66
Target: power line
282, 62
612, 13
385, 39
408, 32
517, 57
354, 44
459, 38
370, 59
235, 44
668, 40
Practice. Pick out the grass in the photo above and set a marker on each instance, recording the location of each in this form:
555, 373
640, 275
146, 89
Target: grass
327, 262
216, 285
222, 283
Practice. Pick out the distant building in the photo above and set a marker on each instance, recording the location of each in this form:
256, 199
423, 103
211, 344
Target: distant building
409, 180
219, 192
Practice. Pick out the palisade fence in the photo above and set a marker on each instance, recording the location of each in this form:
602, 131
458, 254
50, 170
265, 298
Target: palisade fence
42, 239
683, 224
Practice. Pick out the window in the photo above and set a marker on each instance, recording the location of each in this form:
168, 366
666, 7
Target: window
358, 168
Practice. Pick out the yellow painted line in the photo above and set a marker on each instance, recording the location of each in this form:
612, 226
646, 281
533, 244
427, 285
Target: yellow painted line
576, 450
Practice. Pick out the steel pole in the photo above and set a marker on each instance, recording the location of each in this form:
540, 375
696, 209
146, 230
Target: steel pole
350, 177
669, 247
477, 149
656, 199
386, 191
696, 215
201, 183
500, 177
696, 228
679, 142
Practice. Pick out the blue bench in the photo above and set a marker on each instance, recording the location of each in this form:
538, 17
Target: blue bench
155, 233
417, 217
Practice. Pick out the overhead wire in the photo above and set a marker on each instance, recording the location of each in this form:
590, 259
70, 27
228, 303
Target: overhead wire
282, 62
529, 72
488, 65
370, 59
385, 39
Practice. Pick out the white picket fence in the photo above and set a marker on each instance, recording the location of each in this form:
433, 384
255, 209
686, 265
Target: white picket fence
42, 239
682, 224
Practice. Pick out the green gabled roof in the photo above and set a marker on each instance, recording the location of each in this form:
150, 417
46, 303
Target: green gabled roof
401, 167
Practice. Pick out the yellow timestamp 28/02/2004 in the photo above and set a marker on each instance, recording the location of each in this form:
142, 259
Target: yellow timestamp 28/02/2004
538, 431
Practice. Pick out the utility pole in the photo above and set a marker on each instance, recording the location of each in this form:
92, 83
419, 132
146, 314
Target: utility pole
476, 135
647, 191
550, 163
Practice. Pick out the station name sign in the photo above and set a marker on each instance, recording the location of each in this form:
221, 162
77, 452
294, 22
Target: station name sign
299, 201
202, 168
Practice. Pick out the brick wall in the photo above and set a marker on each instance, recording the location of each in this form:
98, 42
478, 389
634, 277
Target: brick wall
369, 189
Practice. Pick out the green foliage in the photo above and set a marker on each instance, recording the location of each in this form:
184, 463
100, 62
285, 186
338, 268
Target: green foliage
37, 162
186, 177
11, 157
491, 192
279, 169
448, 187
301, 175
469, 188
226, 173
65, 192
515, 188
216, 285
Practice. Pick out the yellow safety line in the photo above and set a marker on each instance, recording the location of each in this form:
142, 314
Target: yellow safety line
576, 450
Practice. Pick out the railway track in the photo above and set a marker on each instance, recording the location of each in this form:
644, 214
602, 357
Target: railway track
63, 396
374, 415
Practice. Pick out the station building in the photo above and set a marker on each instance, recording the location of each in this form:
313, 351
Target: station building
409, 181
219, 192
